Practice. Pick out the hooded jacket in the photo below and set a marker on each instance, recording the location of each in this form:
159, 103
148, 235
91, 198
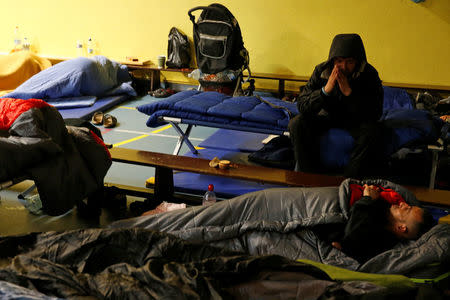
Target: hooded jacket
365, 103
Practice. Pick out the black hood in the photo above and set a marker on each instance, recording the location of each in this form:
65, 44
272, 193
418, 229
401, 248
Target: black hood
348, 45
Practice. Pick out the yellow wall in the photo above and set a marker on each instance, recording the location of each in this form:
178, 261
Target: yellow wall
405, 41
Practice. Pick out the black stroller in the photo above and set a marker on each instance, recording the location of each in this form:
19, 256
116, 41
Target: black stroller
220, 52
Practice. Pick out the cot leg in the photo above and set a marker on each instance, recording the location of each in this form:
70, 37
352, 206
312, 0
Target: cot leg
281, 88
434, 163
163, 190
183, 138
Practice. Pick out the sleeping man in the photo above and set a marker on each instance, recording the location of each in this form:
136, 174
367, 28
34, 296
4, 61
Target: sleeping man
379, 219
298, 223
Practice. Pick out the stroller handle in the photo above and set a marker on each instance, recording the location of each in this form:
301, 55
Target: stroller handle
192, 17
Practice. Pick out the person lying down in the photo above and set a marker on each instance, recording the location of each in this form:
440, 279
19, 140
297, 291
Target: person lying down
379, 219
302, 223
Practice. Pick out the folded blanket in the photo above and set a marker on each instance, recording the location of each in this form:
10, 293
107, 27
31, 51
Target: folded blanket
17, 67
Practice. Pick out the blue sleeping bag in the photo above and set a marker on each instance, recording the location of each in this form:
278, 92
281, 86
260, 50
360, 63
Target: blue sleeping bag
97, 76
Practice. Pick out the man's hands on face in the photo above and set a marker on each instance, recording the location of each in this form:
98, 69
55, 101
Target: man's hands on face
331, 80
343, 83
371, 191
338, 76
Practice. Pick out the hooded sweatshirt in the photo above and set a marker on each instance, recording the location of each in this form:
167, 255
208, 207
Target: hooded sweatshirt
364, 104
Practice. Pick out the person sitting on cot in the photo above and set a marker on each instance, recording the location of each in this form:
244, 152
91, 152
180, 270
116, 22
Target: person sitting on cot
379, 219
345, 92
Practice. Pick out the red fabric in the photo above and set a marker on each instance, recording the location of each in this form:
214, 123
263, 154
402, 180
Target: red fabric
388, 195
100, 142
11, 109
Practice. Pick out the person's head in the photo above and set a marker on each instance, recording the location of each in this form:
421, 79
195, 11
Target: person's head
345, 64
347, 52
408, 222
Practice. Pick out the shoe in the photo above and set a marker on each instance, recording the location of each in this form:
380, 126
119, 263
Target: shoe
97, 118
162, 93
109, 121
156, 92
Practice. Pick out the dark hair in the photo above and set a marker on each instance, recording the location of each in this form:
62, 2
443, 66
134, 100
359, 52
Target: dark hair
427, 223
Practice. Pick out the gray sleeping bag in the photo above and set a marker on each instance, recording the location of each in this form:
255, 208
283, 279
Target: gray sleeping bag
279, 221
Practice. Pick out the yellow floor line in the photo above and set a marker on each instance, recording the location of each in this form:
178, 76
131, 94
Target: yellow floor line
127, 107
141, 136
161, 129
131, 140
150, 181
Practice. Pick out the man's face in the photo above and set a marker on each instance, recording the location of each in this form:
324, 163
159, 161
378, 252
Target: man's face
345, 64
411, 216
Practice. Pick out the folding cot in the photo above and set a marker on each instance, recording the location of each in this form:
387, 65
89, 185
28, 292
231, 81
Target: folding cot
407, 126
266, 115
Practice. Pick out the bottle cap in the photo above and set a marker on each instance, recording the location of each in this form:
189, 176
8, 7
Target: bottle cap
211, 187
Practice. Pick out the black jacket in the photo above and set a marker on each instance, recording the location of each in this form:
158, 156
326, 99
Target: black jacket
366, 233
365, 103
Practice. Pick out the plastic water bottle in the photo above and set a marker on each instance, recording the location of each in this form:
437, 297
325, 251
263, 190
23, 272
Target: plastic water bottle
26, 44
79, 46
209, 197
196, 74
17, 39
90, 47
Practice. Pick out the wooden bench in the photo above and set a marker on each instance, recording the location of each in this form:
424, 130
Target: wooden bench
154, 72
429, 196
282, 78
165, 164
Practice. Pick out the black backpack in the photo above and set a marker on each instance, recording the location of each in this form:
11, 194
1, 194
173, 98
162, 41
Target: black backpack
178, 50
218, 40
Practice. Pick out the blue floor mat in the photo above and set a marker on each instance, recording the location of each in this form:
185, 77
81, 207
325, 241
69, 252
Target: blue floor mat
101, 104
72, 102
233, 140
224, 187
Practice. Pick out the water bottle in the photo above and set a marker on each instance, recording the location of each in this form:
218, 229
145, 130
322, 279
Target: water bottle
79, 46
90, 47
26, 44
17, 39
209, 197
196, 74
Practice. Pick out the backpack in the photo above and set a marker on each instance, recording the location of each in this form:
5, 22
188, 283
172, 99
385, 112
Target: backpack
178, 50
218, 40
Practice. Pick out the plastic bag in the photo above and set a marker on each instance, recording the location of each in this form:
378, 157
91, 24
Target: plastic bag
178, 50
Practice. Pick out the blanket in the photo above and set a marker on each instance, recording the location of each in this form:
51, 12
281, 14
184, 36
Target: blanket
66, 163
214, 107
283, 221
17, 67
138, 263
97, 76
